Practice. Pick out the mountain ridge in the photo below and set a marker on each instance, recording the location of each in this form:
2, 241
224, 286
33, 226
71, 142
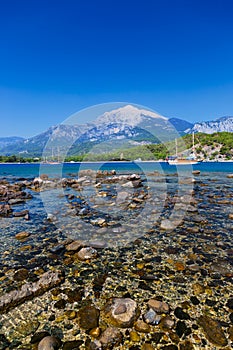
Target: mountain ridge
209, 127
124, 126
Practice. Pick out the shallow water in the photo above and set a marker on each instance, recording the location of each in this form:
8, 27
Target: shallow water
192, 260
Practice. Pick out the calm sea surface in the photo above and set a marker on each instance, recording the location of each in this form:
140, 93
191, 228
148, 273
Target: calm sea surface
66, 169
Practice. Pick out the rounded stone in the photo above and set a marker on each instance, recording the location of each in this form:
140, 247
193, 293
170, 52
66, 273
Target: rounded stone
88, 317
49, 343
134, 336
182, 315
22, 235
147, 346
158, 306
75, 245
167, 323
142, 326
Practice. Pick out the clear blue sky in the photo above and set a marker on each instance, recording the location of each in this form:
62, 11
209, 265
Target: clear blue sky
59, 56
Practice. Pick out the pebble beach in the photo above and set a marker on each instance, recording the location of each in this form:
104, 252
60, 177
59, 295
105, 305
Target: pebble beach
105, 260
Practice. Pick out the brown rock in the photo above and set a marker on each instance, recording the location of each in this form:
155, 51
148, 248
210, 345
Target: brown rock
167, 323
179, 266
21, 275
22, 235
158, 306
88, 317
111, 338
75, 245
121, 312
147, 346
142, 326
20, 213
212, 330
87, 253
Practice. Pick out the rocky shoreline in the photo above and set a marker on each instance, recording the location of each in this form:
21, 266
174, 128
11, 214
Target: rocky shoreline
167, 288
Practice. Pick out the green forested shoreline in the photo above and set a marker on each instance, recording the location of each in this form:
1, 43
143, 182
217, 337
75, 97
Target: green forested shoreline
217, 146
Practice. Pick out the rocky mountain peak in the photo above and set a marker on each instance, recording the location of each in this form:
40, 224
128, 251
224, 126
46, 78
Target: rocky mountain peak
129, 115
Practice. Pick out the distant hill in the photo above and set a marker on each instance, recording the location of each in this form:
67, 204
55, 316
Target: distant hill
208, 147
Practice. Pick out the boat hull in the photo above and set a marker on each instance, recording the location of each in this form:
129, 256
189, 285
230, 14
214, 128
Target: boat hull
182, 162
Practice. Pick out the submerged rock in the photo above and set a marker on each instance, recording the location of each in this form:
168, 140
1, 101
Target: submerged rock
121, 312
212, 330
75, 245
88, 317
158, 306
22, 235
49, 343
87, 253
29, 290
5, 210
111, 338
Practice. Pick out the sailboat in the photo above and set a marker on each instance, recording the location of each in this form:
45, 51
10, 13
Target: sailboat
189, 160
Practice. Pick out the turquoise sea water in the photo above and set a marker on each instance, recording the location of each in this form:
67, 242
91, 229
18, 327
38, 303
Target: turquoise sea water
33, 170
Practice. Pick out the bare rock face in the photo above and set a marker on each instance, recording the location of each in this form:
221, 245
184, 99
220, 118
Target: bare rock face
121, 312
47, 281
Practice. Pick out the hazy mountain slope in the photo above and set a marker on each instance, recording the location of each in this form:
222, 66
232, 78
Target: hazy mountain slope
6, 141
181, 125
